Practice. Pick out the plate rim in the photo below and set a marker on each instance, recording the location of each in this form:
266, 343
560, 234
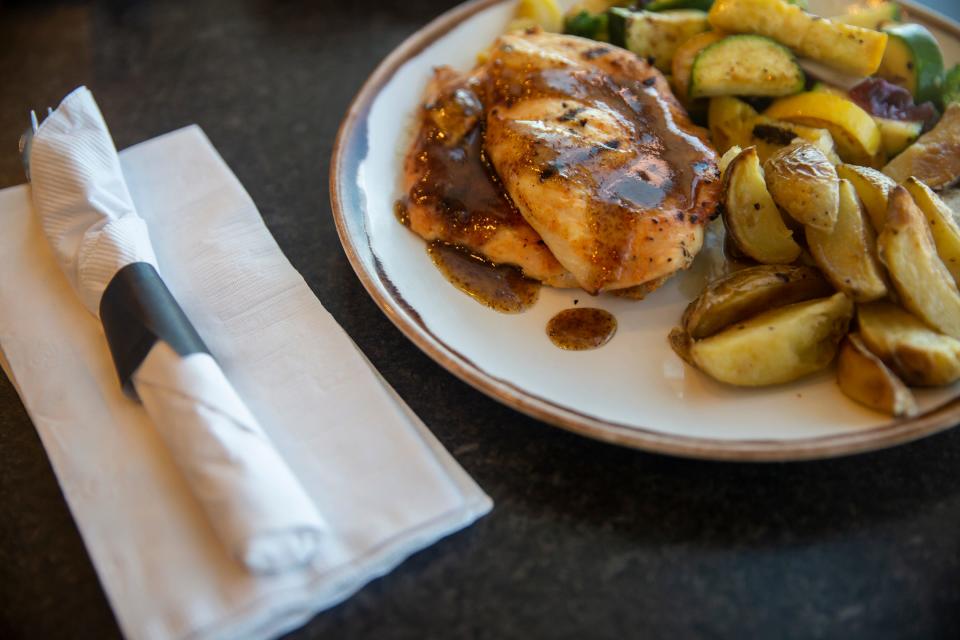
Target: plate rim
407, 320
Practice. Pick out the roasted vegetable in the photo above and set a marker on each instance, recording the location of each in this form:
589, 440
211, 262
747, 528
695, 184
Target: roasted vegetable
934, 158
855, 133
749, 292
873, 188
913, 60
917, 353
540, 13
750, 215
586, 25
683, 59
745, 65
864, 378
853, 50
734, 122
730, 121
804, 183
924, 284
776, 346
671, 5
897, 135
654, 35
951, 85
946, 232
870, 17
847, 255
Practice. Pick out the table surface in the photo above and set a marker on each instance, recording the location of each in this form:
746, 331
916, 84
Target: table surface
586, 539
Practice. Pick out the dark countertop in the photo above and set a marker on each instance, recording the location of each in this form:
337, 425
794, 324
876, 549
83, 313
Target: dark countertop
586, 540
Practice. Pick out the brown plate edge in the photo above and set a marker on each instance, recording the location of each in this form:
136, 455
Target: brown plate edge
409, 323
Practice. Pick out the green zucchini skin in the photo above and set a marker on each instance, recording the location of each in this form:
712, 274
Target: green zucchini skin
743, 65
587, 25
617, 19
654, 35
913, 60
668, 5
951, 85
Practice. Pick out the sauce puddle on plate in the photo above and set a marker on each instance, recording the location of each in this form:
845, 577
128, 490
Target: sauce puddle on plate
500, 287
581, 329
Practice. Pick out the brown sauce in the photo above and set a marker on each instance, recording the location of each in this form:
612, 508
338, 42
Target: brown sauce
498, 286
581, 328
456, 180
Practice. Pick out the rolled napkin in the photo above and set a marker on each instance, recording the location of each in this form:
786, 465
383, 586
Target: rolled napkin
384, 484
252, 499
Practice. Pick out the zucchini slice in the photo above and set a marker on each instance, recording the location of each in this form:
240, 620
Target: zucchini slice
853, 50
897, 135
871, 17
653, 35
745, 65
683, 59
913, 60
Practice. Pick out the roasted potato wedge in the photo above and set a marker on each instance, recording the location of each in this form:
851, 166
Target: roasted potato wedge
918, 354
873, 188
750, 215
680, 342
946, 232
749, 292
804, 183
935, 157
864, 378
776, 346
907, 249
848, 254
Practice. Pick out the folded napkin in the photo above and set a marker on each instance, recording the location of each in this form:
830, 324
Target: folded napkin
255, 504
385, 487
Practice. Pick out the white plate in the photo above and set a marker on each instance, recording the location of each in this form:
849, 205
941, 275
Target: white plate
633, 391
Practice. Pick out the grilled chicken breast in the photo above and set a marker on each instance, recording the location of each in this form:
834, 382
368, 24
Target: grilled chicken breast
565, 157
598, 157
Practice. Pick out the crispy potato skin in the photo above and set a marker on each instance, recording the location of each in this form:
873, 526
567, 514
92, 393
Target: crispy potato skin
749, 292
777, 346
848, 254
864, 378
804, 183
750, 215
924, 284
915, 352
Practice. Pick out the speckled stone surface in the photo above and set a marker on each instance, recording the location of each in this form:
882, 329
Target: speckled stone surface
586, 540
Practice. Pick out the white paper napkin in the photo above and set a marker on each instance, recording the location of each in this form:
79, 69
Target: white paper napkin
254, 502
383, 483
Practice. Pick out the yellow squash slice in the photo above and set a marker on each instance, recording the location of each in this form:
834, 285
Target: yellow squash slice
847, 48
854, 131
